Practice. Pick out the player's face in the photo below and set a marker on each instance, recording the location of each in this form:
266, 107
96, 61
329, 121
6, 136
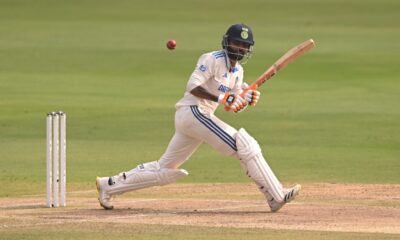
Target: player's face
237, 50
240, 47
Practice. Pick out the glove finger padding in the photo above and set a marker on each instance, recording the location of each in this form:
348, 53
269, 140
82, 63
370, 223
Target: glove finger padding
238, 104
252, 96
242, 109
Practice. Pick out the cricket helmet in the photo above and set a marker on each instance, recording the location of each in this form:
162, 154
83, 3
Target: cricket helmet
239, 33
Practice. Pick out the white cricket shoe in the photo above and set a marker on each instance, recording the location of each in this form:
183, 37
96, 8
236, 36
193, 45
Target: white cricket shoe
290, 194
104, 197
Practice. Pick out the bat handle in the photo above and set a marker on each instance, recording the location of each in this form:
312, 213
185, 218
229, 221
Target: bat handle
251, 87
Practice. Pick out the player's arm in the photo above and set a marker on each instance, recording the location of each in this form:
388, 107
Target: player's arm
201, 92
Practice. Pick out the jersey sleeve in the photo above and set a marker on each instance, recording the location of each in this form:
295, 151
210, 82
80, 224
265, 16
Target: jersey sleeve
203, 72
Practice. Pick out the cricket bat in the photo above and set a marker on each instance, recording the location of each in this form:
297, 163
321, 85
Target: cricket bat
283, 61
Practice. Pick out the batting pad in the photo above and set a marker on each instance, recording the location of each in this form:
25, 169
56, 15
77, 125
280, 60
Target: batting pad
143, 176
256, 167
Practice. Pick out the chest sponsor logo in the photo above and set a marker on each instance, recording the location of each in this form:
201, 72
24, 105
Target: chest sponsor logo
223, 88
225, 75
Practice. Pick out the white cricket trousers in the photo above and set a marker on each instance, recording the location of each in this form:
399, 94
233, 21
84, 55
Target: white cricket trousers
192, 128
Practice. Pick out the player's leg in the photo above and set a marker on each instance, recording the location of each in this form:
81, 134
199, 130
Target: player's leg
252, 160
161, 172
229, 141
156, 173
240, 144
180, 148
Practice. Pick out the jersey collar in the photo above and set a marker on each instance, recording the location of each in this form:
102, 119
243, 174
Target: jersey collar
228, 64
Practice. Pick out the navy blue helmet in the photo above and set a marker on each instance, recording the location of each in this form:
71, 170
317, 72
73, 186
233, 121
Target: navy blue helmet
238, 33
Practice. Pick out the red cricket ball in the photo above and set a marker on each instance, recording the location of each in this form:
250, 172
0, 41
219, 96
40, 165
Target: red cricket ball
171, 44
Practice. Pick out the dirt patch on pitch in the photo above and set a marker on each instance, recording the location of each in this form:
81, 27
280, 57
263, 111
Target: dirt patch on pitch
321, 207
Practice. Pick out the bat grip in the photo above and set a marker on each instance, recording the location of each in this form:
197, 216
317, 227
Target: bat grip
251, 87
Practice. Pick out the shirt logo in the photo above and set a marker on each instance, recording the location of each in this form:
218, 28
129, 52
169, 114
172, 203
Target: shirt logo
223, 88
202, 68
225, 75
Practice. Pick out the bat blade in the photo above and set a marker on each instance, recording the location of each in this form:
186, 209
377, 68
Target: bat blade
283, 61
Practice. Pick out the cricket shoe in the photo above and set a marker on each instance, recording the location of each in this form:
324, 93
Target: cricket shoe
290, 194
104, 197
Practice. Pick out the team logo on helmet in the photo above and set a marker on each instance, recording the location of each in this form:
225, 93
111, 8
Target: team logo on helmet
244, 34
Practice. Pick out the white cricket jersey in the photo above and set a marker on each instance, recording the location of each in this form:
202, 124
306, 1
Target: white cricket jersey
213, 72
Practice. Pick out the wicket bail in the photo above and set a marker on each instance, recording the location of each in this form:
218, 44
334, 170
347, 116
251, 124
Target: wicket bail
56, 159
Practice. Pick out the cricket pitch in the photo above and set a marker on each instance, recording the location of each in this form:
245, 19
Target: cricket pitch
360, 208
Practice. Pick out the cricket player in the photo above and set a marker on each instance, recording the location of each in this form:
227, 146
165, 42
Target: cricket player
216, 80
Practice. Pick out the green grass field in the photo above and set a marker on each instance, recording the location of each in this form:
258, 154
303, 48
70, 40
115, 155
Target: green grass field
331, 116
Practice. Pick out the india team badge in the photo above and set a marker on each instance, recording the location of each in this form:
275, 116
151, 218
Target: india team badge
244, 34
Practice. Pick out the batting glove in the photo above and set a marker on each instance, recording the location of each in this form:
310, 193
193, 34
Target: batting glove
232, 102
250, 95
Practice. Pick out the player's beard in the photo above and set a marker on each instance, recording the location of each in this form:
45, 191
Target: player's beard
234, 54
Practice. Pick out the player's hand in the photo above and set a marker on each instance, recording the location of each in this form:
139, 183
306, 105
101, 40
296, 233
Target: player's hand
250, 95
232, 102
